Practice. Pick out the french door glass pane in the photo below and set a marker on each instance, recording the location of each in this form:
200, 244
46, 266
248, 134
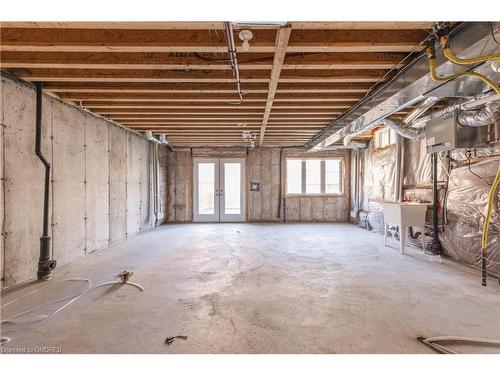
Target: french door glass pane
332, 176
232, 188
294, 176
313, 176
206, 188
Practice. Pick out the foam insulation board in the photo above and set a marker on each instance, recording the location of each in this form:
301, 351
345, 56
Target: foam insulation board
254, 198
179, 186
97, 184
118, 140
69, 183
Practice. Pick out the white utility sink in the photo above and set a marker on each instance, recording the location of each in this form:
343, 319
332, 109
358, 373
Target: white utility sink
404, 215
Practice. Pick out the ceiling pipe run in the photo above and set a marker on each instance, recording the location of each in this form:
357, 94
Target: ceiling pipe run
234, 59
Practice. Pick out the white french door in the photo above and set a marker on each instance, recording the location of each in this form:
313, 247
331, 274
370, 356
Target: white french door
218, 190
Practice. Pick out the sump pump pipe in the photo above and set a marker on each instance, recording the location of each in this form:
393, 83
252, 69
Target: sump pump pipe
45, 264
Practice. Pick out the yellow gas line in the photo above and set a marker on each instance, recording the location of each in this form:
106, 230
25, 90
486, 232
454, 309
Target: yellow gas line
484, 239
444, 41
494, 187
435, 77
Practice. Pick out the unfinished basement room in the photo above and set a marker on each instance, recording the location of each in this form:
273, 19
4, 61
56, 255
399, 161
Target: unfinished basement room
250, 187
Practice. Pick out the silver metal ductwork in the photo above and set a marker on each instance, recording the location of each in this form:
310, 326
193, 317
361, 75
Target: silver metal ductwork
413, 83
404, 131
420, 109
479, 117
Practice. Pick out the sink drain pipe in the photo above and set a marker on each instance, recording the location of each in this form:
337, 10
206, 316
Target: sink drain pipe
45, 264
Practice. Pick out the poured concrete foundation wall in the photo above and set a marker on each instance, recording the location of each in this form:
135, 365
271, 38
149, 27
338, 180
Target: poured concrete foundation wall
100, 182
266, 205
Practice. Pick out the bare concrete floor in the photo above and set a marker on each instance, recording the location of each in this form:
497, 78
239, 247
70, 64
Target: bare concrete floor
261, 288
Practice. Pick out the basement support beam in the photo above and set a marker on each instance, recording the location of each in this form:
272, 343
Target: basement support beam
282, 38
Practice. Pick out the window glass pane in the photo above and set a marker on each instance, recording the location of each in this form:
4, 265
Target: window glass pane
313, 176
294, 176
232, 188
393, 138
206, 188
384, 138
332, 176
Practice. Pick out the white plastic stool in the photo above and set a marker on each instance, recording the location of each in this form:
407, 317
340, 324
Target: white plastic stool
405, 215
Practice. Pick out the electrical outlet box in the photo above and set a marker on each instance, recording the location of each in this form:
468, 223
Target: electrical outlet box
254, 186
440, 134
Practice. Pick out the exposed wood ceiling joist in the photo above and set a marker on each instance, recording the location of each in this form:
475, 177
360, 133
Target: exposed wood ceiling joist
203, 25
176, 77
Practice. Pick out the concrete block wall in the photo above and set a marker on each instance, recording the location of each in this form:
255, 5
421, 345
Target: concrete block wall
100, 182
263, 166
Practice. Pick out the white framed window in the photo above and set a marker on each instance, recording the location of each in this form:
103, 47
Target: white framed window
384, 138
314, 176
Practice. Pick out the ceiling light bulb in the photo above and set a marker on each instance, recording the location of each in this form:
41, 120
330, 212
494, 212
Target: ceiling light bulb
245, 36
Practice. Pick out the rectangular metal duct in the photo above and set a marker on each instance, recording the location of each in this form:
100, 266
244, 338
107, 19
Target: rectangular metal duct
413, 83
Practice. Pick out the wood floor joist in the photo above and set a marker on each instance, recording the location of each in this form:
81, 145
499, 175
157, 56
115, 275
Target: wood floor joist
172, 61
177, 78
204, 41
204, 25
171, 76
249, 97
203, 87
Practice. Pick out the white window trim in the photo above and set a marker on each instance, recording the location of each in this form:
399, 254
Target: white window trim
303, 175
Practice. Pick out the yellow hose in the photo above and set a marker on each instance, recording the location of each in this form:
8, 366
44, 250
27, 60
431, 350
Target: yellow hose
491, 200
465, 61
435, 77
496, 182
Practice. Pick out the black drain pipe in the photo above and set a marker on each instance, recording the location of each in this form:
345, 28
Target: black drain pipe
435, 246
45, 264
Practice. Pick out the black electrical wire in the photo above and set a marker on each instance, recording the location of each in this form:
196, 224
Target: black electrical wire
468, 155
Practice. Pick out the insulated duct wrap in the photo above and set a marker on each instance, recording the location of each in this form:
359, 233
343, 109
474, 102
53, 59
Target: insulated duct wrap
478, 117
404, 131
466, 207
377, 183
466, 199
